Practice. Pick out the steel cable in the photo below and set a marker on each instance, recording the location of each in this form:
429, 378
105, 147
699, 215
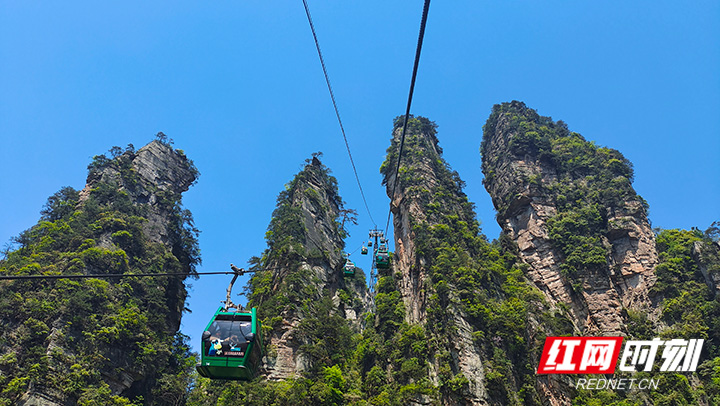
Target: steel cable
421, 35
337, 112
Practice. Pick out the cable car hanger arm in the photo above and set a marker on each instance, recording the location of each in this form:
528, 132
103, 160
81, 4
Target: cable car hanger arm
236, 272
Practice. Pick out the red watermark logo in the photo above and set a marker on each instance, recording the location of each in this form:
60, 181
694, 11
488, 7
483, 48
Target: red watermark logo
580, 355
599, 355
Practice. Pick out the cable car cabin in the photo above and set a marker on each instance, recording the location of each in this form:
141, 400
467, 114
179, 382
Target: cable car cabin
382, 257
349, 268
231, 346
364, 250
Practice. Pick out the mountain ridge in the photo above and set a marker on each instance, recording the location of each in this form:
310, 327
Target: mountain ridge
455, 320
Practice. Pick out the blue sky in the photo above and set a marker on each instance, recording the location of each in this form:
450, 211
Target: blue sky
238, 86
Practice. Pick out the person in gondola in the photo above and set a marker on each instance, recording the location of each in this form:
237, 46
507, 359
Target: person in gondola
215, 347
219, 347
216, 343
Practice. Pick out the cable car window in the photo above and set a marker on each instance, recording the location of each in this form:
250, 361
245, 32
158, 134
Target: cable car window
228, 338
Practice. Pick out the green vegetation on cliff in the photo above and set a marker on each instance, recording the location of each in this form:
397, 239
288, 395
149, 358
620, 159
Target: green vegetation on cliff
587, 184
287, 285
690, 309
392, 355
97, 341
298, 276
468, 279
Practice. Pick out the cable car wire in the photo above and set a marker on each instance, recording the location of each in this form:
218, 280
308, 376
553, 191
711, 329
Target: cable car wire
356, 249
337, 112
421, 35
123, 275
108, 275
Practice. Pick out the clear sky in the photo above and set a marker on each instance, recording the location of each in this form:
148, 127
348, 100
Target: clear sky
238, 86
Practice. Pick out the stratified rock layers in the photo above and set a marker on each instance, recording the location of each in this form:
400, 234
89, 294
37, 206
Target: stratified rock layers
544, 181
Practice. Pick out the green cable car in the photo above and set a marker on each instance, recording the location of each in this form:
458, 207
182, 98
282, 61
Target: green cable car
364, 250
349, 268
231, 346
382, 257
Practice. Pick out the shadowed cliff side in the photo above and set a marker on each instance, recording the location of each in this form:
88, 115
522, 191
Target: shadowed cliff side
103, 341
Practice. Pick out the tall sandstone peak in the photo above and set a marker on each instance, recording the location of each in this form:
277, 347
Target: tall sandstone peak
426, 195
578, 223
152, 180
471, 300
301, 289
102, 341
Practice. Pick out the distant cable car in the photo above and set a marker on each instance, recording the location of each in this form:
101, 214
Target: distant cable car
232, 346
382, 257
364, 250
349, 268
369, 243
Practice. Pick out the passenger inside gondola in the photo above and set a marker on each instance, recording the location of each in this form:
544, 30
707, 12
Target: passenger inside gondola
228, 338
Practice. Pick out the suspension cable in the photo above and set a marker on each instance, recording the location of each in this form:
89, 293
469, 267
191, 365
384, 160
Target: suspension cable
421, 36
108, 275
337, 112
357, 248
123, 275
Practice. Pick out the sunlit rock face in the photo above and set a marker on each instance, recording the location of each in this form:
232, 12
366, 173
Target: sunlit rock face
155, 176
546, 181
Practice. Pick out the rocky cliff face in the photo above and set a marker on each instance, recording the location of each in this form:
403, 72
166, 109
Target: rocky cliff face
469, 295
304, 283
153, 180
427, 195
707, 255
576, 219
102, 340
155, 176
